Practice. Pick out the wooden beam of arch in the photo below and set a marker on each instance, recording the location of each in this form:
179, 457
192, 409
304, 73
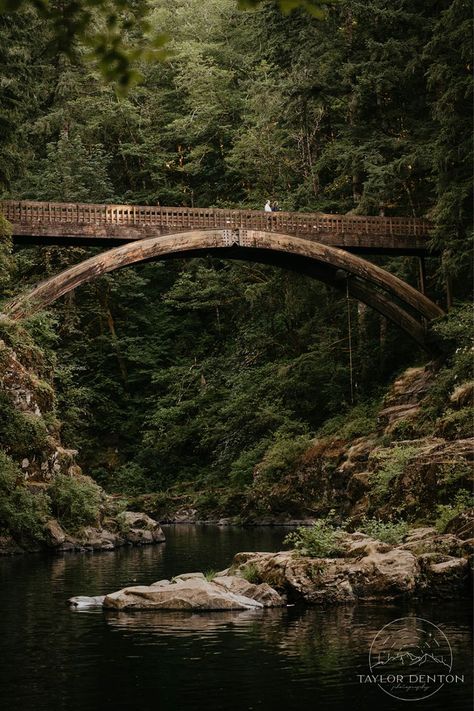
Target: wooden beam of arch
369, 278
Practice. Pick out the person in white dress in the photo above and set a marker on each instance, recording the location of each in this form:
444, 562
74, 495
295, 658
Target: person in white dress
268, 207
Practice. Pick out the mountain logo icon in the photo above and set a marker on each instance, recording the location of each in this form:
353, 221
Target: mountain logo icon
410, 659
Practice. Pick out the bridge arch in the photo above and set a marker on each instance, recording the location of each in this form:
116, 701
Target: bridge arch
389, 295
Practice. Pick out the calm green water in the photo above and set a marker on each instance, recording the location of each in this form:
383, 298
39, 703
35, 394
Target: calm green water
56, 658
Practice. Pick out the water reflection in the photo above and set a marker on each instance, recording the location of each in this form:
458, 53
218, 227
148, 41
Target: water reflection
181, 623
105, 571
314, 635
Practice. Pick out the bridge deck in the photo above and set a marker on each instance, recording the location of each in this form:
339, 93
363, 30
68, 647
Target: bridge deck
109, 225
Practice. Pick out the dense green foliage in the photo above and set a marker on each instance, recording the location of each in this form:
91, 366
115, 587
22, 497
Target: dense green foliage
117, 34
206, 371
447, 512
113, 34
75, 501
22, 513
20, 431
385, 531
392, 464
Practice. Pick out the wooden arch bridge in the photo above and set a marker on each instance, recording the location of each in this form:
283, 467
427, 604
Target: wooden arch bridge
325, 246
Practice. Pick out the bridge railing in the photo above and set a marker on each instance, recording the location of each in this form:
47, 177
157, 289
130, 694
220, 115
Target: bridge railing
179, 218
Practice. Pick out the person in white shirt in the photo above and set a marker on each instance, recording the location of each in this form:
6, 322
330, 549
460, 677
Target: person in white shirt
268, 207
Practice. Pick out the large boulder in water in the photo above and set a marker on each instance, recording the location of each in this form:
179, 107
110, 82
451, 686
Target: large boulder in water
96, 539
141, 529
444, 575
192, 593
54, 534
428, 563
373, 574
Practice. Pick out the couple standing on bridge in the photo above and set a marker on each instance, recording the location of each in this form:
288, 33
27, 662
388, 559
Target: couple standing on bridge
271, 206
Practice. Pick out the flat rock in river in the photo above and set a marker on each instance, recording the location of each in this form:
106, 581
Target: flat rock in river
192, 594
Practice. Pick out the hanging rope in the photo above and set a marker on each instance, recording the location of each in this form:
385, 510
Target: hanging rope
349, 330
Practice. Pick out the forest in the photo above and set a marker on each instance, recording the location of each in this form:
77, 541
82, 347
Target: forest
207, 378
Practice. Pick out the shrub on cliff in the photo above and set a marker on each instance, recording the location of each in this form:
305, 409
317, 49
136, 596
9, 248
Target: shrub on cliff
282, 456
389, 465
75, 501
359, 421
22, 514
463, 501
321, 540
457, 330
21, 432
386, 531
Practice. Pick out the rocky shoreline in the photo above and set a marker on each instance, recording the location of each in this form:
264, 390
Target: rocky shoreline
425, 564
236, 521
135, 529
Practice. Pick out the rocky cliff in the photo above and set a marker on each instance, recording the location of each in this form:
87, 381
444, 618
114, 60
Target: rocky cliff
410, 464
29, 429
40, 481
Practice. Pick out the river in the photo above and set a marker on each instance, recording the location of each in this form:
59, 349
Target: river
56, 658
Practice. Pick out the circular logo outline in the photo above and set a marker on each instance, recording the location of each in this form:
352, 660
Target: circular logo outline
411, 620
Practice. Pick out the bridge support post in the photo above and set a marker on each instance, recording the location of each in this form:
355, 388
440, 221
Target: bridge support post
447, 280
422, 274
